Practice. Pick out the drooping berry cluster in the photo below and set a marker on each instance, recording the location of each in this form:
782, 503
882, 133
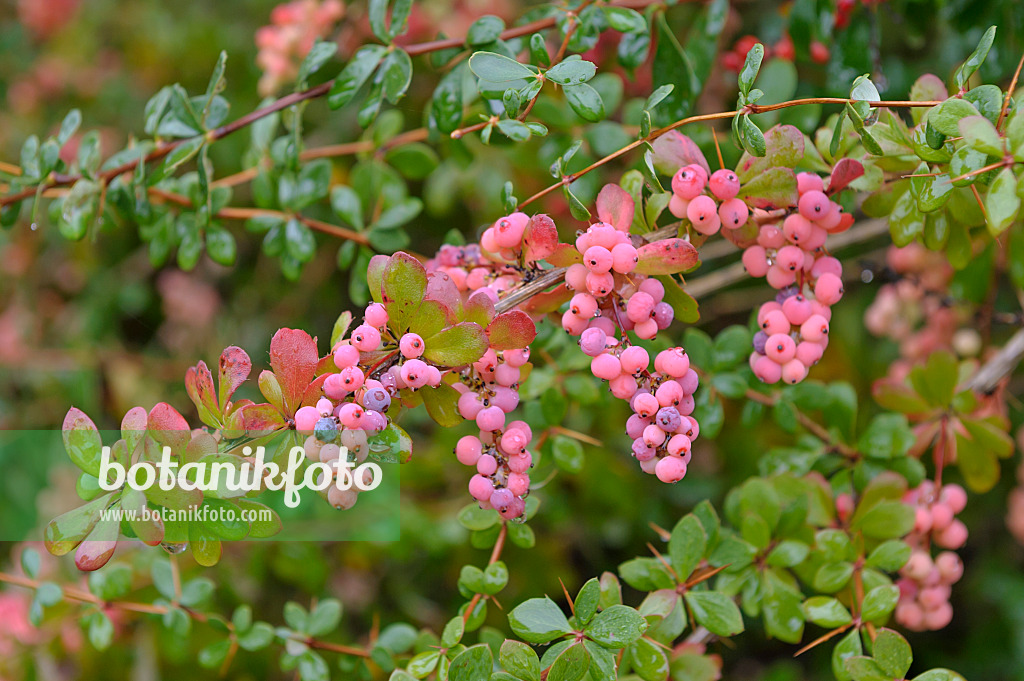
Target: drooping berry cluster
925, 584
915, 310
707, 215
791, 256
489, 392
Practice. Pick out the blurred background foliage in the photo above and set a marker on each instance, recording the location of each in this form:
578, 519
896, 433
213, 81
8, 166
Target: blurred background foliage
93, 324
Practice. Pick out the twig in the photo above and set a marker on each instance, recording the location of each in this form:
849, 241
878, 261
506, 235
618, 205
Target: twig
999, 366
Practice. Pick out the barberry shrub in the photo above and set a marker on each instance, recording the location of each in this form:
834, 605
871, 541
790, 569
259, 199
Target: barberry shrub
848, 533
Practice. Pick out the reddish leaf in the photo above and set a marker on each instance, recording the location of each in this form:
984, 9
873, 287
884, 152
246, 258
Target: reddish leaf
133, 427
258, 420
548, 301
201, 444
512, 330
293, 357
479, 309
199, 385
441, 288
673, 150
235, 366
64, 532
375, 276
326, 365
82, 441
564, 255
98, 547
784, 148
314, 391
540, 238
846, 171
169, 428
668, 256
615, 206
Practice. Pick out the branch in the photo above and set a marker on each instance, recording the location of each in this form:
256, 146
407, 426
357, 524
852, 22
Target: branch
999, 366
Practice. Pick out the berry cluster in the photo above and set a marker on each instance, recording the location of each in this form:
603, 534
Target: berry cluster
732, 60
915, 310
706, 215
926, 583
295, 26
610, 300
790, 255
489, 392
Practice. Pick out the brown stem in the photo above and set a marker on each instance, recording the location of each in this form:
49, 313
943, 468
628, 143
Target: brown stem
499, 545
1009, 93
752, 108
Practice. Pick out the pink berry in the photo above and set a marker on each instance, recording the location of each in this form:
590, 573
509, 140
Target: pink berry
598, 259
826, 264
411, 345
663, 315
634, 360
572, 324
517, 358
689, 381
678, 445
703, 214
481, 488
951, 568
654, 288
677, 205
508, 231
815, 329
366, 338
776, 322
813, 204
806, 182
790, 258
687, 183
755, 261
955, 496
797, 229
939, 618
669, 393
352, 378
351, 415
622, 386
733, 213
490, 418
770, 236
809, 353
793, 371
646, 405
306, 418
675, 362
583, 305
376, 315
624, 258
647, 329
468, 450
576, 276
653, 435
780, 348
414, 373
670, 469
942, 516
334, 388
724, 184
469, 405
639, 306
601, 284
606, 366
346, 356
593, 341
953, 537
918, 566
767, 370
797, 309
518, 484
828, 290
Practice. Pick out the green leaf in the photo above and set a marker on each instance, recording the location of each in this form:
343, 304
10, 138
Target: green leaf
886, 520
783, 617
616, 627
183, 153
979, 133
318, 55
453, 631
826, 612
976, 59
585, 101
358, 70
497, 68
890, 555
1002, 202
646, 574
751, 66
485, 30
716, 612
648, 660
456, 346
571, 665
625, 20
472, 664
101, 630
847, 647
568, 454
519, 660
446, 105
832, 577
892, 653
324, 617
945, 117
865, 669
587, 601
472, 517
572, 71
82, 441
879, 602
442, 404
299, 241
687, 545
30, 561
396, 75
538, 620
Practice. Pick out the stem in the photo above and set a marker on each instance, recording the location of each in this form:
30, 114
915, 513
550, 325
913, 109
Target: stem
1009, 93
751, 108
499, 545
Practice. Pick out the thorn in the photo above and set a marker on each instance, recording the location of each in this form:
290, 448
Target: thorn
718, 149
572, 606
